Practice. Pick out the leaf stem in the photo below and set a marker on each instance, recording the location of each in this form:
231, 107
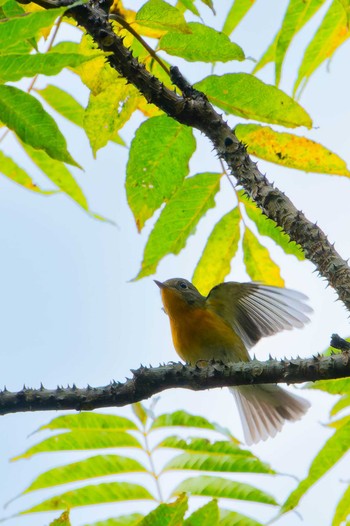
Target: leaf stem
51, 42
153, 472
127, 26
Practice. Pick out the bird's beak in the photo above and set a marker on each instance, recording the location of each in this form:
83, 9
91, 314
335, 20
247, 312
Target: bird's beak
160, 284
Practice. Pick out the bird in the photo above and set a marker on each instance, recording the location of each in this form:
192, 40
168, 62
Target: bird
223, 326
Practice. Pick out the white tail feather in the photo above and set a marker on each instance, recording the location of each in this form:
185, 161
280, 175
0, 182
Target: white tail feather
264, 409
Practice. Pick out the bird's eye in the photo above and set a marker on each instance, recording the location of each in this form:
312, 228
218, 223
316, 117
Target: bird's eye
183, 285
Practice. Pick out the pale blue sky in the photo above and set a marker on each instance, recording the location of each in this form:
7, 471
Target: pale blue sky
70, 313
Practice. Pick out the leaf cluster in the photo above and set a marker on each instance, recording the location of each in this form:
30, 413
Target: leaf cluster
150, 437
158, 170
333, 450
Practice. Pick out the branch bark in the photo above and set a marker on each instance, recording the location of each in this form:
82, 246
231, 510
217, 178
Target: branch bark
147, 381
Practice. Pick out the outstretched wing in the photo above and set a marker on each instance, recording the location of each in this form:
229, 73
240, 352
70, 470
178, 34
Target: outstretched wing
254, 310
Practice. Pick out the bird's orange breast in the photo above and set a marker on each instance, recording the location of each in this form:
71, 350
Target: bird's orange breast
199, 333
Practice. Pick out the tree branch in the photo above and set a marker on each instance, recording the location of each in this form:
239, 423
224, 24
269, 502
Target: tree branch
147, 381
193, 109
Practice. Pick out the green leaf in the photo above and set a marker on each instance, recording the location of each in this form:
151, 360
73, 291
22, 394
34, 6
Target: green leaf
13, 10
63, 103
81, 441
140, 412
210, 4
26, 46
3, 3
203, 44
182, 5
248, 97
340, 386
343, 403
10, 169
108, 111
214, 461
181, 419
69, 47
342, 511
158, 14
207, 515
290, 150
258, 262
337, 424
236, 13
297, 15
179, 218
157, 165
332, 32
333, 450
59, 174
232, 518
98, 466
268, 227
206, 486
63, 520
346, 6
122, 520
195, 445
91, 421
88, 495
23, 113
14, 66
167, 514
223, 240
15, 30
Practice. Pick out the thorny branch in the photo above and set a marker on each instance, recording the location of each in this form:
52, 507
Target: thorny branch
147, 381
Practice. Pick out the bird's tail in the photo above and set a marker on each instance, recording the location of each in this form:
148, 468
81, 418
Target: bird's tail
264, 409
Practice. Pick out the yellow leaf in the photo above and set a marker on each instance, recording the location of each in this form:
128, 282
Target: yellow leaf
258, 262
149, 110
108, 111
98, 76
290, 150
221, 247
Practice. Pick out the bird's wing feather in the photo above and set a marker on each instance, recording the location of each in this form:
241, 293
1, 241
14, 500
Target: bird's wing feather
254, 310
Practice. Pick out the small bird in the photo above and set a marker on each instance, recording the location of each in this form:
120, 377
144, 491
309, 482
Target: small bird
223, 326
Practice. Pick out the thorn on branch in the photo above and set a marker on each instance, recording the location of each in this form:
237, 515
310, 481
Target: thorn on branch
187, 89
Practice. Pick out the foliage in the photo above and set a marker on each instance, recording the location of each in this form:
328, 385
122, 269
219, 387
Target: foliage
159, 182
205, 458
332, 452
156, 180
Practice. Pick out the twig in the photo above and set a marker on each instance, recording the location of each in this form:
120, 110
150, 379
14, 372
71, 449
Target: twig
128, 27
